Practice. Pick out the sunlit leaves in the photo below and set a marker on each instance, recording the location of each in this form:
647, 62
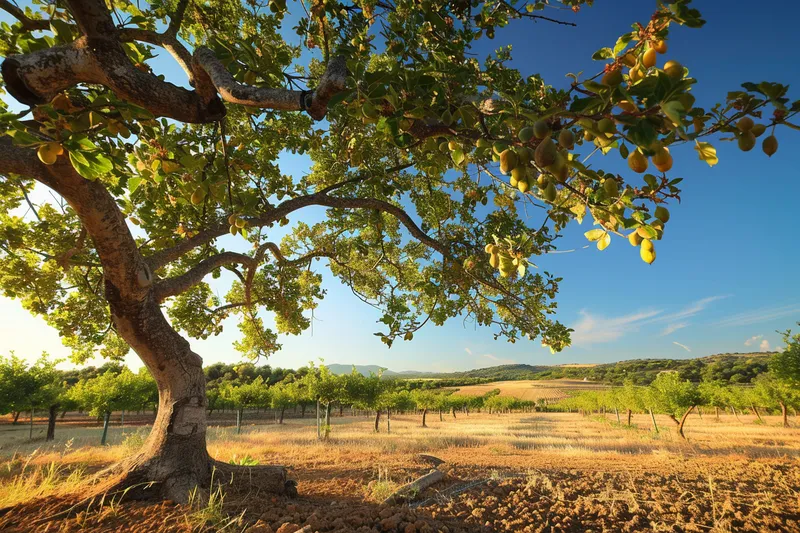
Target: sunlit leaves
707, 153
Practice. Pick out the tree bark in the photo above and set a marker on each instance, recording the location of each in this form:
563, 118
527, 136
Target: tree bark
629, 416
683, 421
51, 423
784, 414
441, 418
454, 412
16, 417
755, 412
677, 422
424, 414
377, 420
302, 410
280, 421
616, 412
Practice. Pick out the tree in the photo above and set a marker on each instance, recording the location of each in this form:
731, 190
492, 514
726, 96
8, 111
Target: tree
245, 395
714, 394
411, 114
424, 400
327, 388
675, 397
770, 391
107, 393
281, 396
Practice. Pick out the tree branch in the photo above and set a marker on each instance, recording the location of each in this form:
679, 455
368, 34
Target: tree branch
27, 22
179, 284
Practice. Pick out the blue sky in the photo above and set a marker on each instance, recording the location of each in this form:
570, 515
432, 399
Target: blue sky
725, 278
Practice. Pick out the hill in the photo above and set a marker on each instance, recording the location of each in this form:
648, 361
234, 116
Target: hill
728, 367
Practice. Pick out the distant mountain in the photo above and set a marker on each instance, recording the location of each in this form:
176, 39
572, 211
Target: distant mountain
728, 367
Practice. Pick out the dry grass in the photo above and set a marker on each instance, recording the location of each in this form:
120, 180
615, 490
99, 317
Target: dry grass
531, 390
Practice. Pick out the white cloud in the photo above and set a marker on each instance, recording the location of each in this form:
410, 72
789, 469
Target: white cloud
752, 340
672, 328
764, 346
692, 309
761, 315
468, 351
682, 346
595, 329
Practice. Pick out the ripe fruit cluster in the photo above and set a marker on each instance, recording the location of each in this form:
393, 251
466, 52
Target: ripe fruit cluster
642, 237
48, 153
749, 131
237, 223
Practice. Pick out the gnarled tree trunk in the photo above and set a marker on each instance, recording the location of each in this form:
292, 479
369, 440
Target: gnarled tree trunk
683, 421
784, 414
51, 423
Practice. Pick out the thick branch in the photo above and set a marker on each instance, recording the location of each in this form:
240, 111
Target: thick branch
93, 18
27, 22
179, 284
316, 103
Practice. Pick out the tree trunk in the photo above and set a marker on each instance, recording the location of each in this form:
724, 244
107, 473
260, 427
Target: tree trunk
616, 412
388, 420
424, 414
755, 412
51, 423
30, 432
735, 413
16, 417
653, 418
341, 411
302, 410
122, 419
629, 416
784, 414
683, 421
283, 409
677, 422
700, 412
441, 418
327, 421
319, 434
106, 420
63, 414
377, 420
239, 413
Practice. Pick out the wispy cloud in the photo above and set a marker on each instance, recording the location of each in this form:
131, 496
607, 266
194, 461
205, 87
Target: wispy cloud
468, 351
690, 310
752, 340
764, 346
682, 346
760, 315
672, 328
595, 329
498, 359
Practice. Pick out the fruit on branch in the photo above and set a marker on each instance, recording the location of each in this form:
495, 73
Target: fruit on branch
659, 46
541, 129
746, 141
770, 145
508, 161
745, 124
635, 239
545, 154
566, 139
662, 159
637, 161
647, 251
612, 78
48, 153
673, 69
649, 58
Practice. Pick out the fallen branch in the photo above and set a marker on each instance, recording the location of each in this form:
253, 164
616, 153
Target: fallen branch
410, 490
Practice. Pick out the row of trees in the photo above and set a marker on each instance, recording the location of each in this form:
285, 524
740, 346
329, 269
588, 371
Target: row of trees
42, 387
670, 395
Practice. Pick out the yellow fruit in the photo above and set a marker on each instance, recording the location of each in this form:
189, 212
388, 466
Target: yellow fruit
649, 58
637, 161
488, 248
232, 220
523, 185
673, 69
662, 214
746, 141
647, 251
629, 59
517, 175
612, 78
566, 139
660, 47
541, 129
663, 160
634, 239
758, 130
508, 161
48, 153
745, 124
636, 73
770, 145
494, 260
588, 135
542, 181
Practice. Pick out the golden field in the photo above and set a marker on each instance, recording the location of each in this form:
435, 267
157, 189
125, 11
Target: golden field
511, 472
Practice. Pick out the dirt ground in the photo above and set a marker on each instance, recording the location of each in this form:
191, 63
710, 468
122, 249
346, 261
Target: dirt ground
514, 473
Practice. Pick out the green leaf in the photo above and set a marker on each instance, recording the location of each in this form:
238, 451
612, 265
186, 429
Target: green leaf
707, 153
674, 110
603, 53
133, 184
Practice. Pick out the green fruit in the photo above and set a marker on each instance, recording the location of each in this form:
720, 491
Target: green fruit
233, 230
198, 196
566, 139
508, 161
517, 175
758, 130
499, 147
611, 187
606, 125
612, 78
545, 154
745, 124
549, 192
240, 223
662, 214
770, 145
524, 155
635, 239
525, 134
444, 147
483, 143
542, 181
746, 141
541, 129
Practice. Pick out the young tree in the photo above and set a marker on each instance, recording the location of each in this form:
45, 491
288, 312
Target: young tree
404, 107
674, 397
770, 391
424, 400
714, 394
327, 388
245, 395
282, 396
